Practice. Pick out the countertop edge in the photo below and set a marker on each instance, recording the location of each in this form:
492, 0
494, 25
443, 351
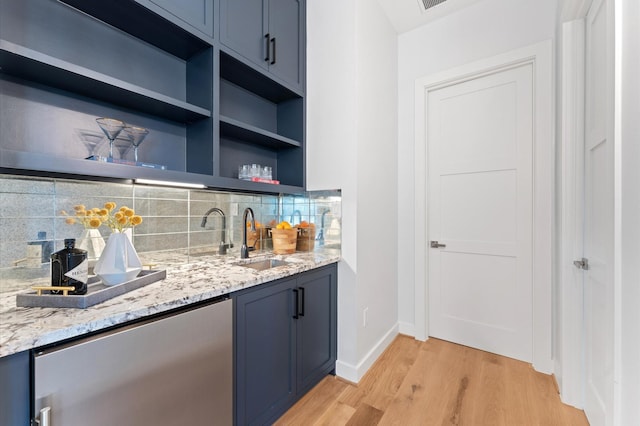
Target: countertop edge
31, 328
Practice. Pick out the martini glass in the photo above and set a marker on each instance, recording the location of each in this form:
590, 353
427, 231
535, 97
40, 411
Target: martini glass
136, 136
91, 139
112, 128
122, 144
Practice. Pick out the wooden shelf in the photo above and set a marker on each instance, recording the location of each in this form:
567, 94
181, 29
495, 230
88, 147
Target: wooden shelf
35, 66
252, 134
142, 23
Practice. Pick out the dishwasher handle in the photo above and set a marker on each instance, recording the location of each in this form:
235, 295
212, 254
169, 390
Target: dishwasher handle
45, 417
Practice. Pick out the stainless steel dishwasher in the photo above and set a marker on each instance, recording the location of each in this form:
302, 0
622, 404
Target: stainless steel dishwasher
169, 371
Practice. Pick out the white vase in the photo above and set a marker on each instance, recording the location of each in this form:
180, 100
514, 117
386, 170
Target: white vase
91, 240
119, 261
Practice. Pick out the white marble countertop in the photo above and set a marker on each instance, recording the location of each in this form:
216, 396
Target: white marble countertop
210, 276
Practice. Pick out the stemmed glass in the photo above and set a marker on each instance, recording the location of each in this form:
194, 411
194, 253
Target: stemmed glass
111, 128
136, 136
123, 145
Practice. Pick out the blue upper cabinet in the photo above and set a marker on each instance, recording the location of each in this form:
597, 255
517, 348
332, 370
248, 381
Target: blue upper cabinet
195, 13
286, 40
243, 27
269, 34
219, 82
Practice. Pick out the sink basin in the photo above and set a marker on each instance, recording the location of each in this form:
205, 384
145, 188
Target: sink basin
262, 265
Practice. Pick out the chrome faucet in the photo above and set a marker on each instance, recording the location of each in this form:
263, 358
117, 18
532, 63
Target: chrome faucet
320, 237
223, 246
244, 250
295, 212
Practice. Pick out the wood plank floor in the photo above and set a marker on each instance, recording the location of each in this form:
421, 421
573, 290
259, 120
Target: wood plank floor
437, 383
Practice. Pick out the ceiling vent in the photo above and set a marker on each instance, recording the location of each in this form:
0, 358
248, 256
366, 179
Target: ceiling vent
428, 4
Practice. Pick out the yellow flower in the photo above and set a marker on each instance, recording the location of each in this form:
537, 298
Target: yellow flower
116, 220
95, 222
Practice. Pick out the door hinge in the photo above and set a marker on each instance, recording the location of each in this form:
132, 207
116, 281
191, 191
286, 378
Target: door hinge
582, 263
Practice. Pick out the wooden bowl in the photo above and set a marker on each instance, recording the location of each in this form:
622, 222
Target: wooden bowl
284, 240
306, 238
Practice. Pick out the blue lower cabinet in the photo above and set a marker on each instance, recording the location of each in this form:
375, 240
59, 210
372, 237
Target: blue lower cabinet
14, 388
285, 343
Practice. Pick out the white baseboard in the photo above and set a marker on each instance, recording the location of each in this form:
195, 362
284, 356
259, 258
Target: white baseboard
407, 329
354, 373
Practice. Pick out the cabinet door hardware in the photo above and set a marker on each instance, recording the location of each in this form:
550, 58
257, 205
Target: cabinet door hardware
296, 307
266, 46
298, 310
435, 244
273, 44
301, 313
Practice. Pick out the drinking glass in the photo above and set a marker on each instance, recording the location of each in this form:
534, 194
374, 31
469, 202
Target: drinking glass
111, 128
136, 136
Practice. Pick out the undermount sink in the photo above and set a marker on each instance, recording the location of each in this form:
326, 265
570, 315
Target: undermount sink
262, 265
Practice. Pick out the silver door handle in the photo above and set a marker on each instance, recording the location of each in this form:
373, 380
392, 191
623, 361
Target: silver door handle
435, 244
582, 264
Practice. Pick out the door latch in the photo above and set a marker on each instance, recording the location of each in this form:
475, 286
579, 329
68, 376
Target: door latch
582, 264
435, 244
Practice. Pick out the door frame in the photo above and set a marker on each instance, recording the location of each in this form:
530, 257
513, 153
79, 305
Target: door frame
540, 56
570, 368
570, 363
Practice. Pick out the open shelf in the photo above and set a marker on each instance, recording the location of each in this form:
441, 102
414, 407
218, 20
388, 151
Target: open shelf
252, 79
146, 61
17, 162
142, 23
237, 130
41, 68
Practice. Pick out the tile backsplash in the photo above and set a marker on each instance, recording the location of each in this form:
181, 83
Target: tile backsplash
31, 214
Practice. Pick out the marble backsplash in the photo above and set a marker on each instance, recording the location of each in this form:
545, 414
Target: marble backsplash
31, 217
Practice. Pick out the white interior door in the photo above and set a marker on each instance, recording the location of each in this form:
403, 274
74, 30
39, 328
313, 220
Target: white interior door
480, 203
599, 214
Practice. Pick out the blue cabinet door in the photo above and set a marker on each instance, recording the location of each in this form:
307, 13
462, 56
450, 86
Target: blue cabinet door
265, 357
316, 328
268, 33
243, 28
14, 388
197, 13
286, 29
285, 343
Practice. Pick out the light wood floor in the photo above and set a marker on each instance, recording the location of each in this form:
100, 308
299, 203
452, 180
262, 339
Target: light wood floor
437, 383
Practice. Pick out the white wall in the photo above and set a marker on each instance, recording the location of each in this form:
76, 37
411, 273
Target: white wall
630, 214
352, 139
482, 30
332, 157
